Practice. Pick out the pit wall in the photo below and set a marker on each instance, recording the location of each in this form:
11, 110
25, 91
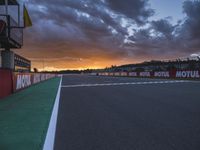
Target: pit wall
173, 74
12, 82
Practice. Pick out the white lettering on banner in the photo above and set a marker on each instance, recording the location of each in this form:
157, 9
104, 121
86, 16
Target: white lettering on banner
110, 74
123, 74
161, 74
117, 74
145, 74
47, 76
187, 74
42, 77
23, 81
93, 74
36, 78
133, 74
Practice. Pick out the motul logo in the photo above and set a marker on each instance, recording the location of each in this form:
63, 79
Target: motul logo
117, 74
187, 74
134, 74
145, 74
23, 81
36, 78
161, 74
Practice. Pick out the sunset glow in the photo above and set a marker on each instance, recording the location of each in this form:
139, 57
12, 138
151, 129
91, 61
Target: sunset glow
98, 34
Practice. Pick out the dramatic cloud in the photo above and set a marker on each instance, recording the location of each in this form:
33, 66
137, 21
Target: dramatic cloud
96, 31
192, 23
164, 28
161, 37
188, 34
135, 9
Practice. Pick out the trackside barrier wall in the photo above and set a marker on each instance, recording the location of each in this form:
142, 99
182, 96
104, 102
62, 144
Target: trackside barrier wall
5, 83
176, 74
12, 82
24, 80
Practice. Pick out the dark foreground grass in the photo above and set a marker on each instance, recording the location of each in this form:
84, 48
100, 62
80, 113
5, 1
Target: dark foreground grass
25, 116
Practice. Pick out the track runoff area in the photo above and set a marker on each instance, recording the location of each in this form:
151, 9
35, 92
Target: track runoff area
121, 113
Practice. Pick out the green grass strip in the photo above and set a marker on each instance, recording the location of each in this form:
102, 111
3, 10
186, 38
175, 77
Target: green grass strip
25, 116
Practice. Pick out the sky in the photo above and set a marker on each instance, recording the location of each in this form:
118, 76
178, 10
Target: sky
166, 8
80, 34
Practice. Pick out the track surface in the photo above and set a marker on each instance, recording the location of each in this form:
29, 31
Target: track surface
107, 116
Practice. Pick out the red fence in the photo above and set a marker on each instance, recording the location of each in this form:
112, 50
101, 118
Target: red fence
13, 82
183, 74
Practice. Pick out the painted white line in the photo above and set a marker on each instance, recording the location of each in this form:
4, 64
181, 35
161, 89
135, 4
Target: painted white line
50, 137
128, 83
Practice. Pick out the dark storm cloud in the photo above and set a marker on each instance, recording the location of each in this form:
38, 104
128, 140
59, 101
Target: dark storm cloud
188, 33
135, 9
113, 27
163, 27
88, 17
163, 38
74, 24
192, 23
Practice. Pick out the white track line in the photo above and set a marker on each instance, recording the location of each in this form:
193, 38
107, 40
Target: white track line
129, 83
50, 137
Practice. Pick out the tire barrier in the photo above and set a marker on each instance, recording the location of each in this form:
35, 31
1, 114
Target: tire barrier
11, 82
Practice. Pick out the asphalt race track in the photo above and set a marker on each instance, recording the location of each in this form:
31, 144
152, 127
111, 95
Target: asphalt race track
121, 113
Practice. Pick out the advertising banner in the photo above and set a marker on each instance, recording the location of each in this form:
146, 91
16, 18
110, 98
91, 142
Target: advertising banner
188, 74
12, 82
124, 74
145, 74
24, 80
174, 74
132, 74
162, 74
117, 74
